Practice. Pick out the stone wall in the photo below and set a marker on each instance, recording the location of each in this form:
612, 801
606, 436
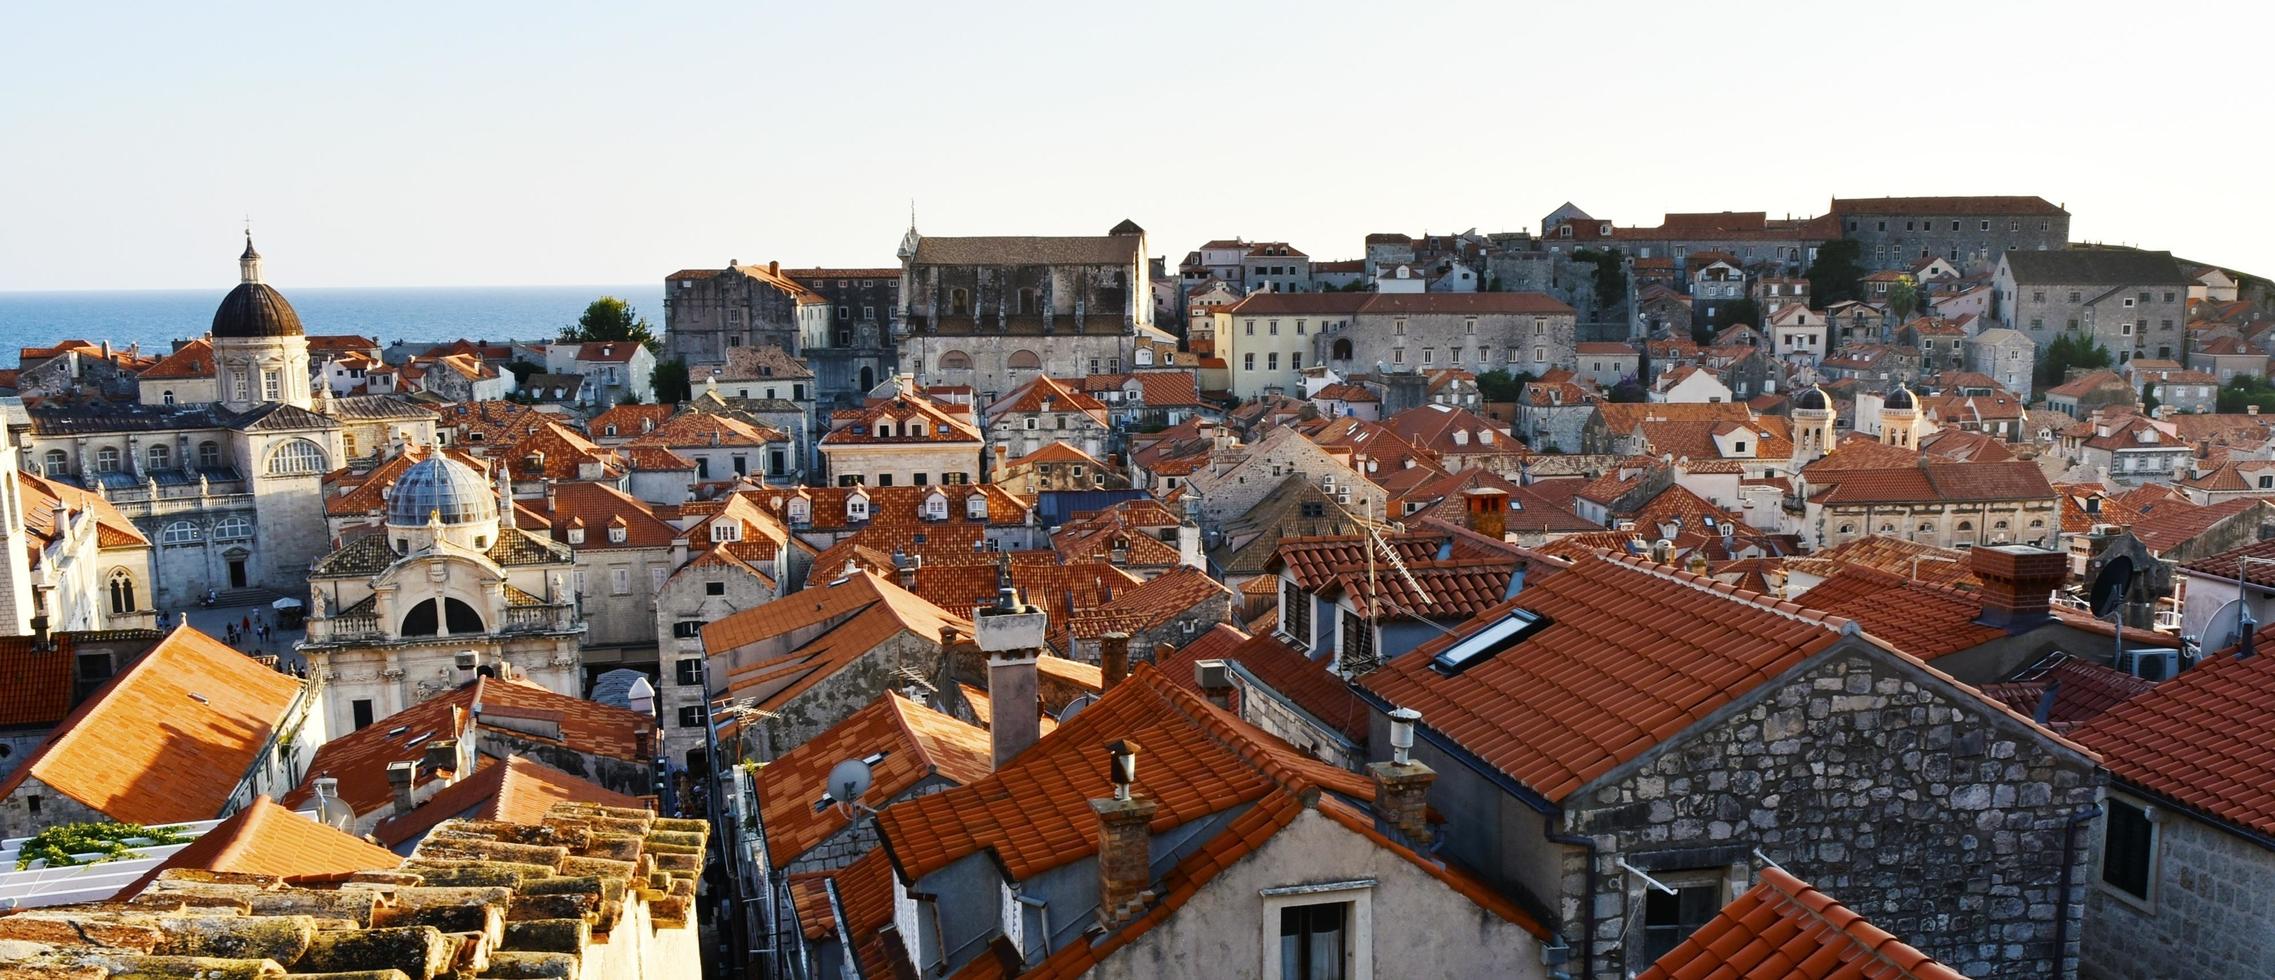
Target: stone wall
18, 820
2211, 914
1919, 806
832, 699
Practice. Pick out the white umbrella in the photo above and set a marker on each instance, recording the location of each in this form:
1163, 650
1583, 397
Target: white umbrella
285, 604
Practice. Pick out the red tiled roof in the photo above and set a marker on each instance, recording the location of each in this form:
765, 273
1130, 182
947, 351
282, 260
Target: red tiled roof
169, 737
2083, 690
1903, 559
1784, 928
599, 505
1945, 206
193, 360
1307, 683
2173, 524
1316, 561
359, 759
1633, 654
1926, 621
867, 611
1930, 482
267, 839
629, 420
1147, 605
916, 743
513, 790
1450, 589
1033, 815
39, 681
2199, 739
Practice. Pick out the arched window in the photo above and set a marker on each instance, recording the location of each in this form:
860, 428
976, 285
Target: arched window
1341, 351
179, 532
1848, 529
209, 455
955, 360
160, 456
57, 459
959, 302
1966, 525
233, 527
1025, 360
106, 460
454, 616
2037, 525
122, 592
2000, 526
298, 456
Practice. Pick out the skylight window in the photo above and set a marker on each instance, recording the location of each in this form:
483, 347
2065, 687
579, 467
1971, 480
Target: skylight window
423, 736
1476, 648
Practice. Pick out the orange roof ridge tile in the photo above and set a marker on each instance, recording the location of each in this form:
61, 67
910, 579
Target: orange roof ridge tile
1784, 927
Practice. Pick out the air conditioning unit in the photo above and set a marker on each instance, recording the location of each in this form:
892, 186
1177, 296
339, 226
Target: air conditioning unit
2151, 665
1212, 675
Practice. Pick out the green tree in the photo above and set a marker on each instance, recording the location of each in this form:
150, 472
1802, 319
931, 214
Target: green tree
2149, 401
2069, 351
521, 371
2245, 390
1903, 298
1629, 391
1838, 273
1727, 315
1501, 386
610, 318
669, 380
1611, 274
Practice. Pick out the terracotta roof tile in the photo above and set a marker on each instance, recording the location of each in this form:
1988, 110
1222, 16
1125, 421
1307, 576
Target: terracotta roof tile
915, 744
193, 360
1307, 683
866, 609
1144, 606
1632, 653
1784, 928
359, 759
40, 682
168, 738
267, 839
1926, 621
2199, 739
514, 790
1033, 814
2083, 690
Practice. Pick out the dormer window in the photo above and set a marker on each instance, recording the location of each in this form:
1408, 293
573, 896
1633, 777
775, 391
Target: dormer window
884, 430
726, 531
975, 507
916, 429
936, 507
616, 535
857, 508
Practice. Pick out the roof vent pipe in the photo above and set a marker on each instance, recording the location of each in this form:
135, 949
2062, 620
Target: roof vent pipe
1402, 735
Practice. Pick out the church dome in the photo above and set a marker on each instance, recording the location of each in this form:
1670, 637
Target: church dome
442, 486
1900, 398
254, 308
1811, 399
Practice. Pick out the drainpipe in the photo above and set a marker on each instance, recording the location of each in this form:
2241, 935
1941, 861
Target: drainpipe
2069, 858
1588, 890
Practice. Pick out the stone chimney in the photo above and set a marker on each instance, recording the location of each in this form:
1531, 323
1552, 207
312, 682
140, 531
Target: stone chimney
905, 567
1125, 843
1488, 511
442, 753
1402, 785
1010, 635
2018, 584
399, 783
1113, 659
1214, 678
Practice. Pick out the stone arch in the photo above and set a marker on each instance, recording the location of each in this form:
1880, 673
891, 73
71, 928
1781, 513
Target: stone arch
122, 592
955, 360
449, 615
1341, 350
1024, 360
297, 457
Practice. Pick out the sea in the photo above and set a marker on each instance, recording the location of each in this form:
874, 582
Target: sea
155, 318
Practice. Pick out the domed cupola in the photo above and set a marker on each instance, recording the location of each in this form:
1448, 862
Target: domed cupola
1900, 398
254, 308
443, 490
1811, 399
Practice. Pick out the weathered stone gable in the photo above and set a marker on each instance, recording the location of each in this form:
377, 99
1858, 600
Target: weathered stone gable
1921, 807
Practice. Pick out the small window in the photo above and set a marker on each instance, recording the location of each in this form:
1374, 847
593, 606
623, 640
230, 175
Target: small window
362, 711
2128, 849
1313, 944
714, 588
688, 671
691, 716
1670, 919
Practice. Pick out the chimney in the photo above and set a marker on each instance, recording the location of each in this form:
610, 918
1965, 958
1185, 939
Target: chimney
904, 568
1010, 634
774, 266
442, 753
1113, 659
399, 781
1125, 842
1401, 786
551, 498
2018, 584
1488, 510
1214, 678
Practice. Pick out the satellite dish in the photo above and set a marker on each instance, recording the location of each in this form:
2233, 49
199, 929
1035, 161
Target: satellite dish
2225, 628
1075, 707
2110, 586
332, 811
848, 780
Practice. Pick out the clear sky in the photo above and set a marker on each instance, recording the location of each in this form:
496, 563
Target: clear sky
481, 143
